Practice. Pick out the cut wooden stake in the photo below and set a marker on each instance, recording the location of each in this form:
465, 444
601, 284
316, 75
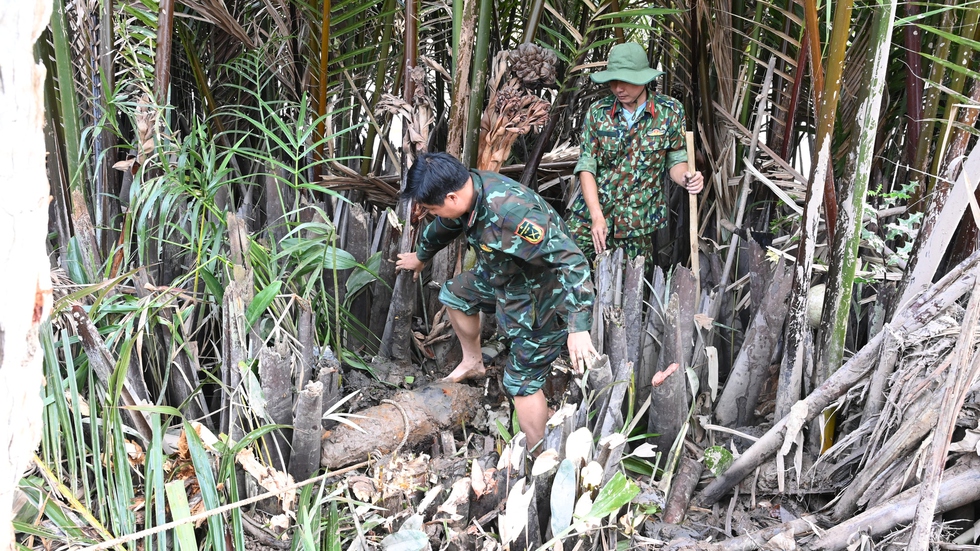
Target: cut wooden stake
693, 203
682, 489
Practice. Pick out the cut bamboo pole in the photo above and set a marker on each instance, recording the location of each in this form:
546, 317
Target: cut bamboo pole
693, 205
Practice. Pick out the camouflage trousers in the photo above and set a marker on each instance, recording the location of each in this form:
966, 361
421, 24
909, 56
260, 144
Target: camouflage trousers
526, 312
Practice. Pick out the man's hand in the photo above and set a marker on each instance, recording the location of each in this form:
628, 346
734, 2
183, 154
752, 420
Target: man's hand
693, 183
599, 232
409, 261
580, 350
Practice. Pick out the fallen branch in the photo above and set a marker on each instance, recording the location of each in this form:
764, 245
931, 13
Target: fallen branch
409, 417
940, 296
963, 376
756, 540
959, 487
682, 489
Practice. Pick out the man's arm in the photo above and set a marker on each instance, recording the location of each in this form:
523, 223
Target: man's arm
590, 194
439, 233
436, 236
586, 169
677, 167
531, 236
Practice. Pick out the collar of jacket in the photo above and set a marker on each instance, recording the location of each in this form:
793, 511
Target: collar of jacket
478, 200
615, 106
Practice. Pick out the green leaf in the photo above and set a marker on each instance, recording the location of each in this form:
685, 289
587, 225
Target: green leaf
638, 13
717, 459
406, 540
214, 287
364, 275
504, 433
208, 485
261, 302
163, 410
177, 498
617, 492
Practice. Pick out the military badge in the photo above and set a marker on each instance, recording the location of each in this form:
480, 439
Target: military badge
485, 248
530, 232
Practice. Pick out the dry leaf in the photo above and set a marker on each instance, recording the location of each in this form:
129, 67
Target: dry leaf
269, 478
479, 483
135, 453
545, 462
363, 488
703, 321
578, 447
279, 523
459, 495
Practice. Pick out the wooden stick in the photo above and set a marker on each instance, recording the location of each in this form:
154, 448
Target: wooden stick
693, 203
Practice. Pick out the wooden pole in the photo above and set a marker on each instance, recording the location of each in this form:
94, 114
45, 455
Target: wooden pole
693, 203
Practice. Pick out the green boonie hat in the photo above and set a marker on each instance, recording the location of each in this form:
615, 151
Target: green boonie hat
628, 63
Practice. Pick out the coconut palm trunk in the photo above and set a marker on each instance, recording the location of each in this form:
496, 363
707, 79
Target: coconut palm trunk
26, 299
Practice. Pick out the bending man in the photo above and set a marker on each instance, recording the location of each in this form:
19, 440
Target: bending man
528, 271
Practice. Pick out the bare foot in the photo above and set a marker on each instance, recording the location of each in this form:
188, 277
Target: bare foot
467, 370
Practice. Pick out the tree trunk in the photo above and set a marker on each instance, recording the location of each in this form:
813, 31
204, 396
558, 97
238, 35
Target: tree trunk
738, 401
26, 300
409, 418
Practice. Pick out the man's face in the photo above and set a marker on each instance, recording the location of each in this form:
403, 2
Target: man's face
627, 94
452, 207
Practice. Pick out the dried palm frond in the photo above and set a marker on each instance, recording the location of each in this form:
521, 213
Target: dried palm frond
513, 109
215, 11
418, 116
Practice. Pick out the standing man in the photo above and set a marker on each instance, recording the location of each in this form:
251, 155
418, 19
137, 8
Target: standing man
528, 271
629, 140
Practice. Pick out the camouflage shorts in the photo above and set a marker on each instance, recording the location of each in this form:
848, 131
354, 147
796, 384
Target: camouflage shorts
527, 313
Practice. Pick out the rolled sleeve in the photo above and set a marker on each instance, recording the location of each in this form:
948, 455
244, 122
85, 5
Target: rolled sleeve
586, 159
588, 164
675, 158
439, 233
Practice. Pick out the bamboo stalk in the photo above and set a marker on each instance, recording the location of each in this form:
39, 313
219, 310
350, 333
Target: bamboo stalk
791, 371
844, 260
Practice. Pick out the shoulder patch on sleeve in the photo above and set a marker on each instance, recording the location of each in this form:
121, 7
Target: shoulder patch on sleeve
530, 232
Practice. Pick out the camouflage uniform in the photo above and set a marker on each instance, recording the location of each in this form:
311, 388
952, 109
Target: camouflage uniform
528, 271
629, 165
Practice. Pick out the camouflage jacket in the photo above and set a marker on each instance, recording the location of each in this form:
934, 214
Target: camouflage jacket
630, 164
520, 242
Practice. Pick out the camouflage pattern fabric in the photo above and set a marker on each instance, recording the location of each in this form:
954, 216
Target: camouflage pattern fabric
629, 165
528, 271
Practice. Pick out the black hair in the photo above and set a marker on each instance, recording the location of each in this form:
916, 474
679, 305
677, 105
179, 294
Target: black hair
433, 176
